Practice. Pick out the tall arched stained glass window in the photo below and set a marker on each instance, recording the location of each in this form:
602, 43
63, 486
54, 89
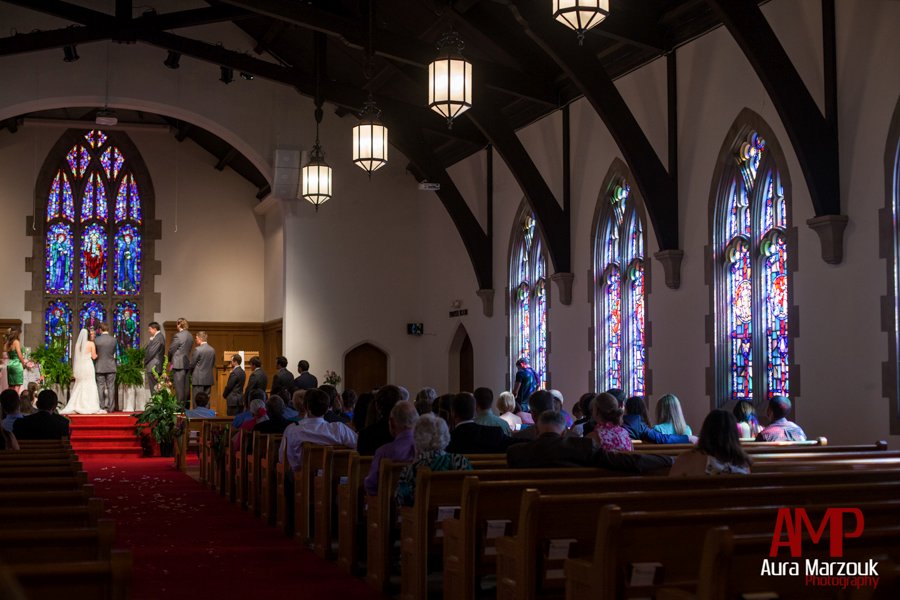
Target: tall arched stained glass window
93, 243
619, 292
751, 276
528, 297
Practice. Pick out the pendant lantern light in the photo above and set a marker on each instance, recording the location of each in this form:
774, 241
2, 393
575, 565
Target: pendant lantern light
370, 136
450, 79
580, 15
315, 176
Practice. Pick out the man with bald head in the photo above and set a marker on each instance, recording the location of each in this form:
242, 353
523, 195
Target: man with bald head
402, 420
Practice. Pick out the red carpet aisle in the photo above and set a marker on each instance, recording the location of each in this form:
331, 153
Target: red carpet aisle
190, 543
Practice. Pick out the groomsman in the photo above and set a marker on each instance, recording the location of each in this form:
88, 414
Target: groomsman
234, 388
257, 379
105, 367
153, 354
202, 365
179, 361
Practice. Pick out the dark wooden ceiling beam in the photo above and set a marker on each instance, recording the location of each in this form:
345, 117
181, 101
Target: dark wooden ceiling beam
226, 158
554, 221
633, 24
812, 136
394, 46
22, 43
425, 167
656, 186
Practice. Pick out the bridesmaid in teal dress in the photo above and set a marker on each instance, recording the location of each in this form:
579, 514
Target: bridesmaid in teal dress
15, 367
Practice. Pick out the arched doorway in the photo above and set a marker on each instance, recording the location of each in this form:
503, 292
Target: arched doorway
462, 362
365, 368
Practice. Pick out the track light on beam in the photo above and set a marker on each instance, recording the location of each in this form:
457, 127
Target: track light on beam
227, 75
172, 59
70, 54
246, 76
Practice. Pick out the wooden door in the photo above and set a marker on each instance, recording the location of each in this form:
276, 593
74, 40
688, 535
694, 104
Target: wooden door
365, 368
466, 365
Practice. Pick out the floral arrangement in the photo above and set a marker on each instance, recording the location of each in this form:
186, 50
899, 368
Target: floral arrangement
55, 367
332, 378
162, 411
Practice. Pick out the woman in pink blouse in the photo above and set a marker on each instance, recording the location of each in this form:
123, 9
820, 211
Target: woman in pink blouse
609, 433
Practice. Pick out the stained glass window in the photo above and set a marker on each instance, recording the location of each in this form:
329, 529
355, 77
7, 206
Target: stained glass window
752, 279
528, 311
90, 316
58, 324
619, 351
127, 325
90, 264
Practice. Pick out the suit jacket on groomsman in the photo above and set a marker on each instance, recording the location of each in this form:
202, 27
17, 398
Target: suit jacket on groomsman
234, 388
202, 364
180, 350
106, 353
154, 352
306, 381
282, 380
257, 379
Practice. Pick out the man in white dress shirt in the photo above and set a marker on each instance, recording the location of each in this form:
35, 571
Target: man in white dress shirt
315, 429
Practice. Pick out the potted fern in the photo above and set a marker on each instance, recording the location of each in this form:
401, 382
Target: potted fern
160, 415
55, 368
130, 379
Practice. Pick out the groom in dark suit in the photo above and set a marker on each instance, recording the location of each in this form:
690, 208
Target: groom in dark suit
105, 367
153, 354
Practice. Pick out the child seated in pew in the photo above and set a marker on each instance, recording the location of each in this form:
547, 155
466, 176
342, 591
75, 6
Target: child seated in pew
637, 424
718, 451
670, 418
9, 402
609, 434
747, 423
431, 436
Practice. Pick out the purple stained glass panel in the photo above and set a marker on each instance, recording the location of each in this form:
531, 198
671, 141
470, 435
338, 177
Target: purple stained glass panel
112, 161
523, 321
95, 138
78, 159
127, 326
637, 349
540, 362
128, 261
612, 328
749, 156
775, 297
93, 260
66, 200
58, 324
739, 288
135, 200
60, 258
53, 198
93, 201
122, 201
91, 315
738, 215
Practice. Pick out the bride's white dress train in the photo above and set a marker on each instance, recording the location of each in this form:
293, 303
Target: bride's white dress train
84, 397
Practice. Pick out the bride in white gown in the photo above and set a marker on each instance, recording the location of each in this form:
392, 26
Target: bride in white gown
84, 398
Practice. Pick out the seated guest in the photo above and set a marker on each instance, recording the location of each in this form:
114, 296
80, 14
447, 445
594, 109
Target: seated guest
283, 379
335, 412
484, 398
431, 436
538, 402
669, 417
558, 405
780, 429
468, 437
403, 419
425, 399
44, 424
290, 414
9, 402
637, 425
363, 405
609, 434
506, 404
718, 451
747, 423
582, 413
258, 414
202, 410
379, 433
7, 439
550, 449
243, 415
314, 429
348, 401
298, 407
276, 423
442, 406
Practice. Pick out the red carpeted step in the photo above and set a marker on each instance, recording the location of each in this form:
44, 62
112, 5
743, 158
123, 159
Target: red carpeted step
107, 436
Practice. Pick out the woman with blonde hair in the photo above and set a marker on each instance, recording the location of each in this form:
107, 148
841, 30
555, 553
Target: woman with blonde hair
506, 404
669, 416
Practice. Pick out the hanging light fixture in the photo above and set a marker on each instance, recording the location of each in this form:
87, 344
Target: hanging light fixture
580, 15
315, 176
450, 79
370, 136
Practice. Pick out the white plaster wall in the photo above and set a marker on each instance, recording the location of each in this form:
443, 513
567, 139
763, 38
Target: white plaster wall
273, 265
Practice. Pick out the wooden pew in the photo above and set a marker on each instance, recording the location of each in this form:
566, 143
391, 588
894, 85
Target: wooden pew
43, 444
254, 459
351, 515
64, 482
284, 518
77, 580
380, 523
730, 566
23, 470
312, 456
240, 469
58, 544
80, 513
267, 475
208, 456
335, 463
625, 539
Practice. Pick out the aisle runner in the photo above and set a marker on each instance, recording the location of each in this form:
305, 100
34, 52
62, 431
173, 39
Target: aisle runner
189, 542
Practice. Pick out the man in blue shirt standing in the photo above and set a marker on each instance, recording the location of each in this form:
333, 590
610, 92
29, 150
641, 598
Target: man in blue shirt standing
526, 383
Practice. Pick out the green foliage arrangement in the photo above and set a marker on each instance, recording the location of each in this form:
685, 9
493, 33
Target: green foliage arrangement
162, 410
54, 367
130, 370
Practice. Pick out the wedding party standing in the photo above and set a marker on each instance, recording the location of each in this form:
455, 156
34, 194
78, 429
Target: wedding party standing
15, 367
154, 352
179, 360
105, 366
84, 397
202, 364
